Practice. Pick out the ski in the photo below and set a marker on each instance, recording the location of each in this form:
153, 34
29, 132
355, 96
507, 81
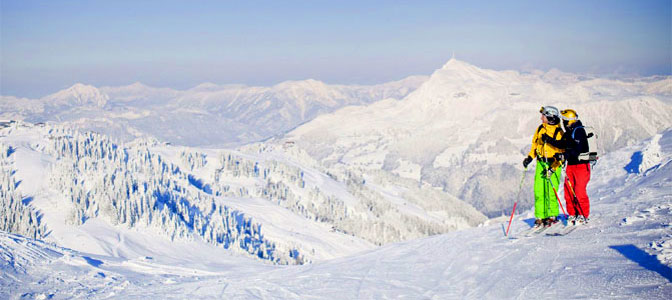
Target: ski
556, 227
523, 233
536, 230
532, 231
564, 231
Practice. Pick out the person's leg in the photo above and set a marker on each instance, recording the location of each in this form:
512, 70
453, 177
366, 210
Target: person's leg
582, 178
552, 185
569, 191
539, 191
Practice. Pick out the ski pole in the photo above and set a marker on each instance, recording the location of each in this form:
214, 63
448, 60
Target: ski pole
520, 188
557, 197
576, 199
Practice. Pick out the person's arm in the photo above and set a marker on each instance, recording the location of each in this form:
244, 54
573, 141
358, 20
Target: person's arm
580, 140
560, 144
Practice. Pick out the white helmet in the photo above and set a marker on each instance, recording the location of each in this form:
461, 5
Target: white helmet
552, 114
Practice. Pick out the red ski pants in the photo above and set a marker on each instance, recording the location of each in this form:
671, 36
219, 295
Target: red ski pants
576, 181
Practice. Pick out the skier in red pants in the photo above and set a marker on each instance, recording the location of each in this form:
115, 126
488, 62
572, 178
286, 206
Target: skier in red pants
575, 142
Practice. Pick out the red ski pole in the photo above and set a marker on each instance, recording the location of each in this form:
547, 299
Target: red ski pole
557, 197
516, 201
576, 199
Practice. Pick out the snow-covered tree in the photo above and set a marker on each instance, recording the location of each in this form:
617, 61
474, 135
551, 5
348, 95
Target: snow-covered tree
16, 215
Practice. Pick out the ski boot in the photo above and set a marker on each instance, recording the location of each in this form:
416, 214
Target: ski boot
538, 223
548, 222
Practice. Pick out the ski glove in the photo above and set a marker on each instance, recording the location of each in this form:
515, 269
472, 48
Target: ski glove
559, 156
547, 173
553, 142
527, 161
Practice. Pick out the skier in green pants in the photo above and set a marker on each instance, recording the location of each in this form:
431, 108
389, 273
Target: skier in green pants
545, 203
549, 166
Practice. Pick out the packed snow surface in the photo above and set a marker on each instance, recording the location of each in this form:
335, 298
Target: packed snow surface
623, 253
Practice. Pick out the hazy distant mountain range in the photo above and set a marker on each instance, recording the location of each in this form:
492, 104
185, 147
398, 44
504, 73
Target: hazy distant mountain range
207, 115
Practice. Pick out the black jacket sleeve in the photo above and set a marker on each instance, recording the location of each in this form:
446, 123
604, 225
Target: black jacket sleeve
560, 144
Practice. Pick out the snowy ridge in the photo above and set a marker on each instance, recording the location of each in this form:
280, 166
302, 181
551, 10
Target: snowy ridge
623, 253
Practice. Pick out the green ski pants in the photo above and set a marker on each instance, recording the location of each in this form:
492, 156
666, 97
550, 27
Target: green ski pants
545, 202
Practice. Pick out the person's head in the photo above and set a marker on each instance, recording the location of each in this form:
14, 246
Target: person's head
550, 115
569, 117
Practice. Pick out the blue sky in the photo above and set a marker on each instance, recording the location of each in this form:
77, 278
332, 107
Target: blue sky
50, 45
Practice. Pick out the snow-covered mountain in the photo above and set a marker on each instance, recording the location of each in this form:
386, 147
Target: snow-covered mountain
467, 129
77, 95
91, 193
625, 252
208, 114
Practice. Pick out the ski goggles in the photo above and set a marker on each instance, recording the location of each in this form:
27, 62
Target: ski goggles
549, 111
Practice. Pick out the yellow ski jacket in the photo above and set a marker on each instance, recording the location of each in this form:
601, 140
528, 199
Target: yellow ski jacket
546, 151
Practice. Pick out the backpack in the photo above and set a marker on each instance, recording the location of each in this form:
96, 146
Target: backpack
592, 155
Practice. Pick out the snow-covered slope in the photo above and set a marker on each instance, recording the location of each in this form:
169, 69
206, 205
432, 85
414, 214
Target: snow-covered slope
467, 129
91, 193
624, 253
208, 114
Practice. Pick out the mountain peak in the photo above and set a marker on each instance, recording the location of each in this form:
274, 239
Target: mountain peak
458, 74
306, 84
138, 85
206, 85
451, 82
454, 63
80, 87
458, 67
79, 94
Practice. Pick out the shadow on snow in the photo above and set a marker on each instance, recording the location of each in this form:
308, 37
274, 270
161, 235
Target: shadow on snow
644, 259
93, 262
635, 161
